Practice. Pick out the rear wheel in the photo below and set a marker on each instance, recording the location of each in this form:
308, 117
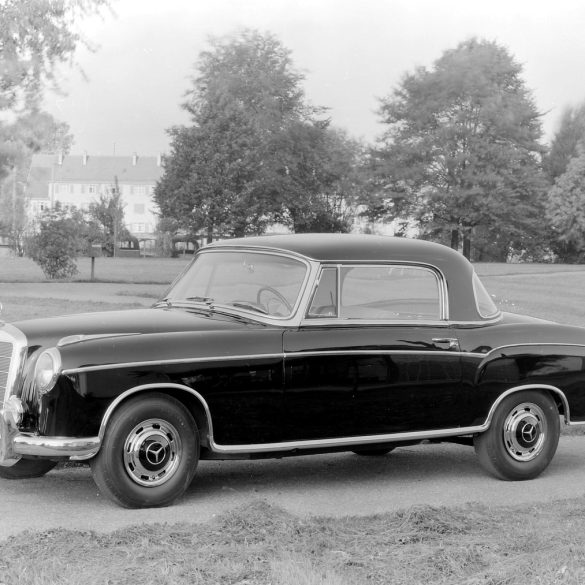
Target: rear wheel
149, 453
522, 438
27, 469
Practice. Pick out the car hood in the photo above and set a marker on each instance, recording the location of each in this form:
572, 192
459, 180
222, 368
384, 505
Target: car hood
50, 330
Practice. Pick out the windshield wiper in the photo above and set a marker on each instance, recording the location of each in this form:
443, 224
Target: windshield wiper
249, 305
168, 303
206, 300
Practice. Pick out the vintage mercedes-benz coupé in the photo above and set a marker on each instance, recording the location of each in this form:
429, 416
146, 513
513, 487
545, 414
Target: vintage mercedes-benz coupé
288, 345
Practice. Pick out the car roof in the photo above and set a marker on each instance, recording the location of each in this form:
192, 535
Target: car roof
350, 247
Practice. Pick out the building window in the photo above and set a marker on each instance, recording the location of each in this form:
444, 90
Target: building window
71, 188
92, 189
56, 188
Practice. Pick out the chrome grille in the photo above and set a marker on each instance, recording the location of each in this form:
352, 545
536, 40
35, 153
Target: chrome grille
6, 349
12, 355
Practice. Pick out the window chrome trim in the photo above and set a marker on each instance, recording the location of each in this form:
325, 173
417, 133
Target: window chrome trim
436, 272
226, 309
340, 322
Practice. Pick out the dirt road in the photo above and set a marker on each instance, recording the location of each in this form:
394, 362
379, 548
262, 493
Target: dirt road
329, 485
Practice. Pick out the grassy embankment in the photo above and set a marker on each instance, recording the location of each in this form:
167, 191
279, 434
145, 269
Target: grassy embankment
260, 544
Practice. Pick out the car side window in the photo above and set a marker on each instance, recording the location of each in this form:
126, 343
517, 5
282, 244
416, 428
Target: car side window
389, 293
324, 301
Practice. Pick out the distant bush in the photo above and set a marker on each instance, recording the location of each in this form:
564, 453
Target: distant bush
60, 239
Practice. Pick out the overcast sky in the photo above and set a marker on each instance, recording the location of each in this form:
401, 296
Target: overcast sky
352, 52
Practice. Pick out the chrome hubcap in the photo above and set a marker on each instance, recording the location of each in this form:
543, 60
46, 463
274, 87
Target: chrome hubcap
525, 430
152, 452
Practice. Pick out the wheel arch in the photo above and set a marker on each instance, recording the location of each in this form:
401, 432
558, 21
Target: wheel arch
191, 399
555, 393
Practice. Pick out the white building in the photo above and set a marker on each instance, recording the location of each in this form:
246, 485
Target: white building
80, 180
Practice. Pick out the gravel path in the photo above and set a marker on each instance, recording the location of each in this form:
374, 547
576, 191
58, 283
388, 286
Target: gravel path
327, 485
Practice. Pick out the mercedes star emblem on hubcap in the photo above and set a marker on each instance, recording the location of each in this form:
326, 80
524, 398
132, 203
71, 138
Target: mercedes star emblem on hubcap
155, 453
529, 432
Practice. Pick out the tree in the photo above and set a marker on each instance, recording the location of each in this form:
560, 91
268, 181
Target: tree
35, 131
315, 176
462, 149
58, 241
255, 152
565, 210
35, 37
107, 215
564, 145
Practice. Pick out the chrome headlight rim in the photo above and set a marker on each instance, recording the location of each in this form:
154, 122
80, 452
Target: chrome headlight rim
47, 370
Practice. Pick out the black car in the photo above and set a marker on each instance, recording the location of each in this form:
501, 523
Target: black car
286, 345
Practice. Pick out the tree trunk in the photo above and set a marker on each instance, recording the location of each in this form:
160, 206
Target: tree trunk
455, 239
467, 246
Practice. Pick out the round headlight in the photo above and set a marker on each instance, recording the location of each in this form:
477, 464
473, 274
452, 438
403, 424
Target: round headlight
47, 370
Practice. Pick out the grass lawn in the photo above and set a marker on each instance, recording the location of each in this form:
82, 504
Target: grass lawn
136, 270
260, 544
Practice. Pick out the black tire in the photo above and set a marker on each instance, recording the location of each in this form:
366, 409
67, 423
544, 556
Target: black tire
374, 452
27, 469
522, 438
149, 453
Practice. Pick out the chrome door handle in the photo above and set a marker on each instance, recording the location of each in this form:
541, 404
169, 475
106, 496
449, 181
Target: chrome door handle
452, 342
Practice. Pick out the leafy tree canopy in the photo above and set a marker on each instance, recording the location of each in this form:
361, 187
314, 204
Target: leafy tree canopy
565, 209
566, 141
36, 36
461, 147
256, 152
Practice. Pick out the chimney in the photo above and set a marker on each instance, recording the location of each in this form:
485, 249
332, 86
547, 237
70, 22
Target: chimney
85, 157
134, 159
159, 159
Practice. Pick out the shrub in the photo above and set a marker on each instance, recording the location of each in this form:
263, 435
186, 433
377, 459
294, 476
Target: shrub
58, 242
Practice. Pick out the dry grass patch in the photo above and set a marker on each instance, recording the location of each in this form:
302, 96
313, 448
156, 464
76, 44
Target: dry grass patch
260, 544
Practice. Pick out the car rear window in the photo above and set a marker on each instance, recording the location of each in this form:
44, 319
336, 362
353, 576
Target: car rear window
377, 293
485, 305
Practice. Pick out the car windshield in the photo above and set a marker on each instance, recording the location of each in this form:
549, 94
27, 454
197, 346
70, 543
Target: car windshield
263, 283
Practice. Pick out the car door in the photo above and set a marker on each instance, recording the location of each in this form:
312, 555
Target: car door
375, 355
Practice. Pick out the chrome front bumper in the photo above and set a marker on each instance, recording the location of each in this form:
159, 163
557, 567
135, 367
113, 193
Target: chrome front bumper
14, 444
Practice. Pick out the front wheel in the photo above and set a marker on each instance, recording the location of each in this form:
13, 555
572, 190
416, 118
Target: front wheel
522, 438
27, 469
149, 453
